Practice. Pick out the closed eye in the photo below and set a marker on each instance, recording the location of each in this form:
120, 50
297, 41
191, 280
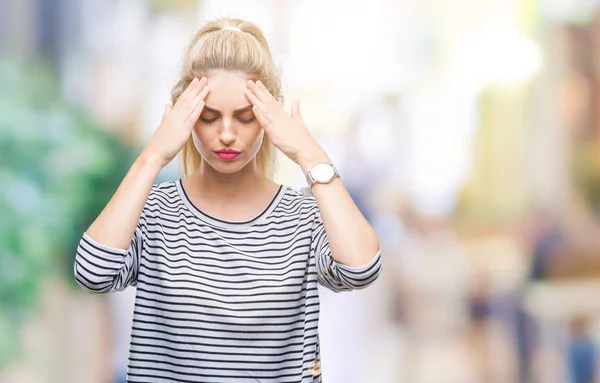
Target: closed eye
242, 120
208, 120
248, 121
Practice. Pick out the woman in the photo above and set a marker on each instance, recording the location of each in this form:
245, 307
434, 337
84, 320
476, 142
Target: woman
226, 262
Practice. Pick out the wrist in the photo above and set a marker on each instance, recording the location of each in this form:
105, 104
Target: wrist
149, 162
309, 158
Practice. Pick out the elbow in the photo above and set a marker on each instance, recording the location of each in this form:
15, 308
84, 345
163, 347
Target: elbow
89, 280
358, 278
357, 256
364, 283
360, 283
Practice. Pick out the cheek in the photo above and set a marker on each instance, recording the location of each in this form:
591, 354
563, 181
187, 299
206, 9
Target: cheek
258, 141
198, 141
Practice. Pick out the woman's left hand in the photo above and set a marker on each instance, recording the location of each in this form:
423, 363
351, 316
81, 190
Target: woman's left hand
288, 132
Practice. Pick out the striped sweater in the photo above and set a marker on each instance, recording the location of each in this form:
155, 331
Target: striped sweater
220, 301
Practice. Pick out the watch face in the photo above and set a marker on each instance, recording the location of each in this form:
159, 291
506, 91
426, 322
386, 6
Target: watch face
322, 172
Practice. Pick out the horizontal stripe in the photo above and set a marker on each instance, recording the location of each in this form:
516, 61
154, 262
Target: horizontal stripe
222, 301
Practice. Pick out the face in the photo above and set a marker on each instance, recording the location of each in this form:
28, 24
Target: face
227, 135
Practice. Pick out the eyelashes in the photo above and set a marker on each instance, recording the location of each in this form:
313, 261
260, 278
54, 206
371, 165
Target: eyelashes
248, 121
211, 120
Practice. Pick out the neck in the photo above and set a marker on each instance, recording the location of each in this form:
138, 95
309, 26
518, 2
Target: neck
232, 186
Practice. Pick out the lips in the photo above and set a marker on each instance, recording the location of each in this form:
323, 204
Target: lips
227, 154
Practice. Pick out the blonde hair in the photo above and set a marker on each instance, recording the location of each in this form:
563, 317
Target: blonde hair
219, 45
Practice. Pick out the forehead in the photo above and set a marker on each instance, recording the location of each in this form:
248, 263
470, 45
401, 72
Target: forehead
226, 90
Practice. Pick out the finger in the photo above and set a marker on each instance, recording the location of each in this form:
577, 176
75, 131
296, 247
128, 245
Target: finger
166, 112
252, 98
263, 95
190, 92
196, 88
265, 92
190, 88
257, 103
191, 100
296, 114
262, 120
184, 95
195, 114
204, 92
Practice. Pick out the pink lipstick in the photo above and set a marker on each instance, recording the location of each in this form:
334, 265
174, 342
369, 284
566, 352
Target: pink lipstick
227, 154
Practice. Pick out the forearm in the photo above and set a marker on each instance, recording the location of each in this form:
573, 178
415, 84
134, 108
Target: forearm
352, 240
116, 224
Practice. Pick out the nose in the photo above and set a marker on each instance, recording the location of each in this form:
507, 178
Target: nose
227, 135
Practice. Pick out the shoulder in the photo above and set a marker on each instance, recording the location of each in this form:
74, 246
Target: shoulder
166, 189
298, 200
302, 194
163, 195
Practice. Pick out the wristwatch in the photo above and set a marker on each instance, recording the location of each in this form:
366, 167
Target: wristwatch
321, 173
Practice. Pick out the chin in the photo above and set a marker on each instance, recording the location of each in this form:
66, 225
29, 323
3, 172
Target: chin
228, 167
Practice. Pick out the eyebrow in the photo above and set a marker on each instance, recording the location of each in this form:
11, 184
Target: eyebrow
237, 111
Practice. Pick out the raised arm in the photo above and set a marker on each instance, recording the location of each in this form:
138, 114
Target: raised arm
352, 240
108, 254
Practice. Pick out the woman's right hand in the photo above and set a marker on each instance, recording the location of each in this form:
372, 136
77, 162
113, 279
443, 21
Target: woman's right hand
177, 123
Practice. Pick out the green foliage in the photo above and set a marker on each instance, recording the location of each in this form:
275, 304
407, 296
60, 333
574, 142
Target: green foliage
57, 171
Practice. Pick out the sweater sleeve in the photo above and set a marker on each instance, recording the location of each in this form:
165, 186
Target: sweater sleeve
337, 276
102, 269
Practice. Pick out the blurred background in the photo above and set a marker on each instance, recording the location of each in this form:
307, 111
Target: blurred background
468, 132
